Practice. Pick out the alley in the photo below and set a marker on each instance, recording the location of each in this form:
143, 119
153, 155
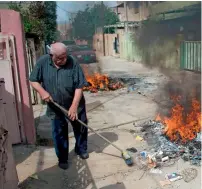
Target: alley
113, 114
138, 65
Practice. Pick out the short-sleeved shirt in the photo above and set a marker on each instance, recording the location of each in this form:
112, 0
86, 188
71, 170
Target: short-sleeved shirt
60, 83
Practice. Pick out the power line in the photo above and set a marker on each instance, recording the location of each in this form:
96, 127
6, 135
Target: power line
66, 10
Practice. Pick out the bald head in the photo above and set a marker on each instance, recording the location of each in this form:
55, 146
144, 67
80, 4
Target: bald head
59, 54
58, 49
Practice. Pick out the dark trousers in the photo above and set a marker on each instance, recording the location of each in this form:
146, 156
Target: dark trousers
61, 139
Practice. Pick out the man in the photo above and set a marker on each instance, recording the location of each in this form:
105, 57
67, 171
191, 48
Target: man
58, 77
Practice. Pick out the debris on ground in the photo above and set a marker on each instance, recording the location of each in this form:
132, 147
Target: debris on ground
133, 150
164, 152
139, 138
155, 171
173, 177
189, 174
164, 182
165, 149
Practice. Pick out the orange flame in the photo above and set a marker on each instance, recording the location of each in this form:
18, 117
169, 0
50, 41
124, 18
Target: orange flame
99, 82
177, 127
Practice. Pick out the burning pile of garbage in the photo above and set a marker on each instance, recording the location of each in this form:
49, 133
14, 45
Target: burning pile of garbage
100, 82
176, 136
164, 149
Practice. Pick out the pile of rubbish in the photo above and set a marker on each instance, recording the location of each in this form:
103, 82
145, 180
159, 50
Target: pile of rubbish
162, 150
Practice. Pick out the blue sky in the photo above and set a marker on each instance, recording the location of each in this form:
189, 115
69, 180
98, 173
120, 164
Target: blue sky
74, 6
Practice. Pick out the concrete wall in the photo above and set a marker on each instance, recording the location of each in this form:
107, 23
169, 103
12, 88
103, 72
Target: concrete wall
98, 44
11, 24
170, 5
142, 11
128, 48
109, 44
129, 13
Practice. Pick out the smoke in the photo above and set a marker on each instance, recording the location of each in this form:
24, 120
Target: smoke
184, 84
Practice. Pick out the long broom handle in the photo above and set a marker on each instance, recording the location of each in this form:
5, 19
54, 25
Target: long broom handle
82, 123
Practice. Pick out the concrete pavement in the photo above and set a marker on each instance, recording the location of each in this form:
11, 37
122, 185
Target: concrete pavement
112, 114
107, 109
103, 170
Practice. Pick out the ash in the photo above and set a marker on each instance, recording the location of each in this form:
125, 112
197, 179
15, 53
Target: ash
143, 84
160, 144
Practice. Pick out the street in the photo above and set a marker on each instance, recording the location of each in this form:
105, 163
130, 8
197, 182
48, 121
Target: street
113, 114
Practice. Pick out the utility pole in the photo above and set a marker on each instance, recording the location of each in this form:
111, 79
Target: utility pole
66, 26
102, 25
126, 16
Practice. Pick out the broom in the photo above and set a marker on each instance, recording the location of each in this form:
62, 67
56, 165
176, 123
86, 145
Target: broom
127, 158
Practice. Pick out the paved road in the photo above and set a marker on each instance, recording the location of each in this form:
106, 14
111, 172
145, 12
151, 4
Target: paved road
104, 169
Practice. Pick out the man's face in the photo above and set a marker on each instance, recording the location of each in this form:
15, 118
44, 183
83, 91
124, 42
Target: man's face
60, 60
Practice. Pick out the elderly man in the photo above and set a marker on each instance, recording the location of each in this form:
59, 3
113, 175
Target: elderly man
58, 77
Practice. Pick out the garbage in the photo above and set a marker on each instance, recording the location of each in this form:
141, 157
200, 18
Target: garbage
133, 150
151, 163
198, 137
143, 154
173, 177
165, 159
166, 149
130, 89
155, 171
164, 182
139, 138
141, 163
189, 174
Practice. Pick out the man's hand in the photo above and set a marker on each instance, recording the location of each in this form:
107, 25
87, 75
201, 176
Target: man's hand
46, 96
72, 113
43, 93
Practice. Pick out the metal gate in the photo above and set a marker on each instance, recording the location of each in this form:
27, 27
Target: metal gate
31, 58
8, 173
9, 71
190, 55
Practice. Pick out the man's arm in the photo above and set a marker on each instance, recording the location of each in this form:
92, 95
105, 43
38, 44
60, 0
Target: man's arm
77, 97
79, 83
43, 93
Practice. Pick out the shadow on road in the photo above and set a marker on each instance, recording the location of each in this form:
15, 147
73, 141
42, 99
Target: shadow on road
114, 186
78, 176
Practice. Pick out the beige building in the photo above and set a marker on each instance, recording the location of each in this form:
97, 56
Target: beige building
134, 11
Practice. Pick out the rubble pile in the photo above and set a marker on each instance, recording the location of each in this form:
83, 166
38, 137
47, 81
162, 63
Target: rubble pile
163, 148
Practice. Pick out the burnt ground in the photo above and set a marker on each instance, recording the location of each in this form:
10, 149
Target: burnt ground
113, 114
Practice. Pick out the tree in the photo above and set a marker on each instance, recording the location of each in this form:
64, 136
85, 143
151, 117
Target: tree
32, 16
50, 22
38, 17
86, 22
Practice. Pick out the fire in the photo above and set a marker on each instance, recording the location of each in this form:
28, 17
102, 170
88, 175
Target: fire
99, 81
181, 125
